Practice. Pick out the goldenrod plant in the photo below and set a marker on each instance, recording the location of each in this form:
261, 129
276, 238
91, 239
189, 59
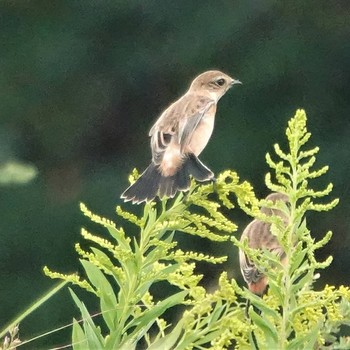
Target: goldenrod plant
121, 269
293, 315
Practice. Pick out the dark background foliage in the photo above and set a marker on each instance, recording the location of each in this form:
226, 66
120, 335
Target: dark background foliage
82, 82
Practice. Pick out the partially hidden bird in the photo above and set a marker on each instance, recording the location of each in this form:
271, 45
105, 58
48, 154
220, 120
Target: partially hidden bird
259, 236
178, 137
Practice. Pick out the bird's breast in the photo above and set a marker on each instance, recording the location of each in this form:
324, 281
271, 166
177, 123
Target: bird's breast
201, 134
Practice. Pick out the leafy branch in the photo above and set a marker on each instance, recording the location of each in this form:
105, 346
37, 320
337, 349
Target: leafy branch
131, 266
292, 315
122, 270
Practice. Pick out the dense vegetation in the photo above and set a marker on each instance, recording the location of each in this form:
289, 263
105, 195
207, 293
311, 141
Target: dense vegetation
83, 81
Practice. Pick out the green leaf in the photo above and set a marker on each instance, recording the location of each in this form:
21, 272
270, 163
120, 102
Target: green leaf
79, 341
252, 342
276, 290
118, 235
108, 300
308, 341
300, 282
149, 317
261, 304
144, 287
216, 313
151, 215
297, 257
113, 340
269, 330
204, 339
126, 346
107, 263
92, 333
168, 342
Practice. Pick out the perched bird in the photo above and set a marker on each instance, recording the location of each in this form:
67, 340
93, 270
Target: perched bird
259, 236
178, 137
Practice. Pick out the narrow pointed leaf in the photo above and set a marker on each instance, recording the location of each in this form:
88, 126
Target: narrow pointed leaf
266, 326
156, 311
108, 300
92, 333
79, 341
168, 342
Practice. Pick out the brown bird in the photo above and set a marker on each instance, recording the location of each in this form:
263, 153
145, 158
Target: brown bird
259, 236
178, 137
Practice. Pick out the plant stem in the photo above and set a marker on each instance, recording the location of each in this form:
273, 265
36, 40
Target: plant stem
286, 314
33, 307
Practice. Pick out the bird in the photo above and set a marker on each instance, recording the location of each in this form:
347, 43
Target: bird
259, 236
178, 137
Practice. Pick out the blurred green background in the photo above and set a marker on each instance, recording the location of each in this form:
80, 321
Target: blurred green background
82, 82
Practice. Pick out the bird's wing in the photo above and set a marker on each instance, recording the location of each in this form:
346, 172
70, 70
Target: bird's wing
250, 272
254, 234
178, 121
259, 236
191, 117
162, 133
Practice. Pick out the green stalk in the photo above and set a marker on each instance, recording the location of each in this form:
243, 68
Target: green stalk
287, 283
283, 341
32, 308
143, 245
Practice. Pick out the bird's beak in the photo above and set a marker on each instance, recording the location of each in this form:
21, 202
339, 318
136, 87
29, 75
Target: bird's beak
235, 81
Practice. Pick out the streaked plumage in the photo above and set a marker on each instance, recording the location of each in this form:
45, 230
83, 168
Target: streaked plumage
259, 236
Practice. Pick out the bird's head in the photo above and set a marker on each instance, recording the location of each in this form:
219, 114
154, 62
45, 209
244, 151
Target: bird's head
213, 83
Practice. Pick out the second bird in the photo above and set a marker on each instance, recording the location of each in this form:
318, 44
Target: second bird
259, 236
178, 137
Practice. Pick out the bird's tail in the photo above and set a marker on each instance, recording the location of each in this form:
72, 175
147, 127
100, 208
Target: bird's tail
151, 182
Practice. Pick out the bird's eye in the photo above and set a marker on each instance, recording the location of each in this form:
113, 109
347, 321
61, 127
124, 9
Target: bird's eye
220, 82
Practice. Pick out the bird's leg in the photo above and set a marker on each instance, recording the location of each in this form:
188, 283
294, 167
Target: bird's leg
185, 196
247, 306
246, 312
215, 184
